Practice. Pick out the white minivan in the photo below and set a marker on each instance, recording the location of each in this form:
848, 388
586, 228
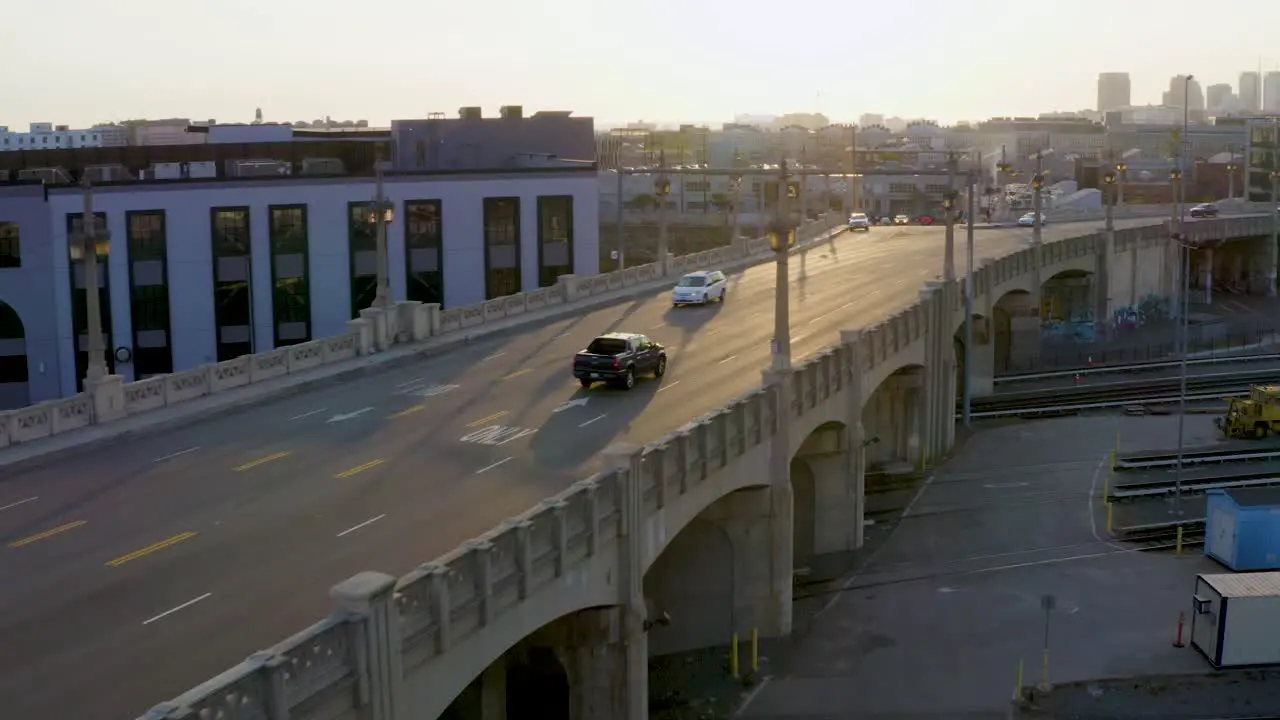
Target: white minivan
699, 288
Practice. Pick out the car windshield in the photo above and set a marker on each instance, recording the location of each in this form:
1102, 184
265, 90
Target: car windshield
692, 281
902, 217
607, 346
858, 216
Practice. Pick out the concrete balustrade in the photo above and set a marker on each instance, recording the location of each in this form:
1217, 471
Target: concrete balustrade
374, 331
584, 570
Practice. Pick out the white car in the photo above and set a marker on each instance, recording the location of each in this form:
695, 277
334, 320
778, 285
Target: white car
859, 221
699, 288
901, 220
1029, 220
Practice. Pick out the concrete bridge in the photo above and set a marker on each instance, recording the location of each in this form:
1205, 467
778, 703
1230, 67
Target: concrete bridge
683, 541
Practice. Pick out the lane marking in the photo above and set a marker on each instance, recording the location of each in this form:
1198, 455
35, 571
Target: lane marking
263, 460
495, 355
496, 435
20, 502
358, 469
183, 606
343, 417
308, 414
415, 381
153, 548
659, 326
407, 411
486, 468
669, 385
731, 357
562, 335
846, 305
366, 523
819, 319
797, 338
171, 456
46, 534
517, 374
488, 418
598, 417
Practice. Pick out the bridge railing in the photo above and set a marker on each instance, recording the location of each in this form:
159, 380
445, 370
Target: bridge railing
407, 322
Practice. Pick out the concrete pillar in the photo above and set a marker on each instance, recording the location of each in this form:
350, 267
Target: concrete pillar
911, 425
781, 511
634, 671
493, 691
744, 517
597, 663
1208, 275
983, 356
369, 596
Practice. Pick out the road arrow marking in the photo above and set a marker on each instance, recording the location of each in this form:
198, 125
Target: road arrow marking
580, 402
348, 416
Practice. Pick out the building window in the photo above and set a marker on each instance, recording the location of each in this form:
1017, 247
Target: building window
424, 251
79, 298
291, 291
362, 247
10, 247
501, 247
232, 282
555, 238
902, 188
149, 293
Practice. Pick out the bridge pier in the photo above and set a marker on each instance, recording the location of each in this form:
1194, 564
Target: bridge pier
981, 377
599, 665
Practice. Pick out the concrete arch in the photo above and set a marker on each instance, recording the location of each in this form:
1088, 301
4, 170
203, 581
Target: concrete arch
14, 388
892, 411
1006, 314
694, 578
821, 475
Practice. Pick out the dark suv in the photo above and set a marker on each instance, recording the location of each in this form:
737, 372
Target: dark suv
617, 358
1204, 210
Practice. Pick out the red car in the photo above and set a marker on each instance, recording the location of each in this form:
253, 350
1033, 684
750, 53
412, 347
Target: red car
926, 220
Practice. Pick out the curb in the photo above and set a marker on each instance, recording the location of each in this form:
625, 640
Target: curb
373, 363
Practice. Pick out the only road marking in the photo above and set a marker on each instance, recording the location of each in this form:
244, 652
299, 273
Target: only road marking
358, 469
153, 548
20, 502
598, 417
171, 456
46, 534
262, 461
487, 468
496, 435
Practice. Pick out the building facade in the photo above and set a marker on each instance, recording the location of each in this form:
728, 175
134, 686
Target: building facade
203, 271
47, 136
1113, 91
1262, 158
1251, 91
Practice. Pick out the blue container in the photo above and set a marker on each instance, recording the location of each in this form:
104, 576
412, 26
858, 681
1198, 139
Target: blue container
1242, 528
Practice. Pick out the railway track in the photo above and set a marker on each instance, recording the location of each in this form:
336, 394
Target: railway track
1129, 368
1162, 459
1163, 536
1159, 487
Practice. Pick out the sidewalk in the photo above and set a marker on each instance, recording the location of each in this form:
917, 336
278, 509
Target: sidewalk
187, 413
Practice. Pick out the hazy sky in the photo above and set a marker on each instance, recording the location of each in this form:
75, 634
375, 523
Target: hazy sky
665, 60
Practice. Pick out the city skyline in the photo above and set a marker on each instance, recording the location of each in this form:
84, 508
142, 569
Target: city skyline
605, 65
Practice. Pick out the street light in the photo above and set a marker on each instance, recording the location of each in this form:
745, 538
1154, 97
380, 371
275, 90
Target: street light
86, 245
661, 190
782, 237
1231, 180
380, 214
735, 187
1184, 266
1121, 169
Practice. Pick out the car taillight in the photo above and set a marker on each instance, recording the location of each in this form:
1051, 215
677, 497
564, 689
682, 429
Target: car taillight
617, 364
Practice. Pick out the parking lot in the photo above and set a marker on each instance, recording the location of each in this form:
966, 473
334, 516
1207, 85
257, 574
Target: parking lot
950, 604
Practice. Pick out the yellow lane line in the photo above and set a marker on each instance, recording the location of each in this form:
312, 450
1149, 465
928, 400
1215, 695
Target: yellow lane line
359, 469
262, 461
155, 547
488, 418
407, 411
518, 373
46, 534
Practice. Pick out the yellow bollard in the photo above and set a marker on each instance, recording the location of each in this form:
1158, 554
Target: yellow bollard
755, 650
1017, 687
1111, 513
1178, 547
733, 656
1106, 488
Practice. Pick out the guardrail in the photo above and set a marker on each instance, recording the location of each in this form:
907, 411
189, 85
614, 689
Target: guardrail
1131, 367
374, 331
1200, 457
1193, 486
1120, 346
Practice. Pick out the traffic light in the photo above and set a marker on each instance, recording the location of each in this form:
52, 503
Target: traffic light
793, 190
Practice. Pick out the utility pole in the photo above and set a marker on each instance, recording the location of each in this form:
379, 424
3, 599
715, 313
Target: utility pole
971, 208
662, 189
90, 237
949, 262
853, 169
383, 213
619, 246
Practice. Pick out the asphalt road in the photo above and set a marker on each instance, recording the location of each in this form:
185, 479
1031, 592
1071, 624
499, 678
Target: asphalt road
135, 571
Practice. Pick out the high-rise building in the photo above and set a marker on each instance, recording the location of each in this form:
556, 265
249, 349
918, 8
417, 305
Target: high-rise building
1113, 91
1271, 92
1218, 96
1250, 91
1184, 94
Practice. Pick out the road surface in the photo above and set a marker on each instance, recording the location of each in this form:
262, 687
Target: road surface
135, 571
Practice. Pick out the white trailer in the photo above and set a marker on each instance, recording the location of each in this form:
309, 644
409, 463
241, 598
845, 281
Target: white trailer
1235, 619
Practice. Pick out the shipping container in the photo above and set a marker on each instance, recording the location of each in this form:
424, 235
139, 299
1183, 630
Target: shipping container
1242, 528
1234, 619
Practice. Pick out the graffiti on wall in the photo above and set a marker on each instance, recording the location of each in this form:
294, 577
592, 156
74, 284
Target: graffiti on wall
1151, 309
1078, 328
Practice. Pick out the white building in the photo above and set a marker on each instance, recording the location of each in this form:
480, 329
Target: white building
202, 270
47, 136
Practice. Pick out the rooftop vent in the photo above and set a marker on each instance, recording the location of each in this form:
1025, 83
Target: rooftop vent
511, 112
471, 112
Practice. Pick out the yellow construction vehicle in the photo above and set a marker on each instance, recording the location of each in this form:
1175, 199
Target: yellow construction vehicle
1254, 417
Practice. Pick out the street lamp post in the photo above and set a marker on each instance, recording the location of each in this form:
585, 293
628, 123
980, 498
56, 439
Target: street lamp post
1102, 283
1274, 246
782, 237
1037, 184
735, 185
1121, 169
381, 214
1231, 180
1184, 266
661, 190
971, 210
89, 239
949, 204
1175, 179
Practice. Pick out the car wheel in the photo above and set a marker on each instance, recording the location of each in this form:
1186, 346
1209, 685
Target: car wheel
705, 298
585, 383
628, 380
661, 368
723, 293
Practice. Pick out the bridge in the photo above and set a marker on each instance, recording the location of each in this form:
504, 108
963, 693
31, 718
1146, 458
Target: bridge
729, 504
